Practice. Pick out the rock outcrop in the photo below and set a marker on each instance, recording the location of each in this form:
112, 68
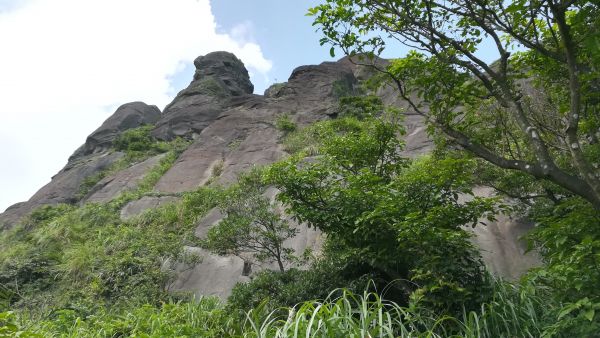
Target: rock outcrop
232, 129
93, 156
128, 116
219, 77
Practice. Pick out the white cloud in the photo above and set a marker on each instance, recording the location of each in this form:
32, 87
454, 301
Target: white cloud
66, 65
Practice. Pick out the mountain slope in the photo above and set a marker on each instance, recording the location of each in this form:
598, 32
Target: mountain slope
230, 130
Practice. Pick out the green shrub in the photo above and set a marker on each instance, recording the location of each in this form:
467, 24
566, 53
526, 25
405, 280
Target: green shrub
209, 86
286, 289
86, 258
284, 124
513, 312
341, 87
137, 142
568, 238
360, 106
203, 317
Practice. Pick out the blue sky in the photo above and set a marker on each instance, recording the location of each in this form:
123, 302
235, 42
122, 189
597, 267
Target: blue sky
282, 30
280, 27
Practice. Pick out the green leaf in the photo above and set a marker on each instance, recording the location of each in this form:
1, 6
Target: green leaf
589, 314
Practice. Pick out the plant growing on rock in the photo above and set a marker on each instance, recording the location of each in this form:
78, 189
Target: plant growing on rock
252, 228
399, 216
285, 124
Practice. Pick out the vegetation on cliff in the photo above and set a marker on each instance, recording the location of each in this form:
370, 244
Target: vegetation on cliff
397, 259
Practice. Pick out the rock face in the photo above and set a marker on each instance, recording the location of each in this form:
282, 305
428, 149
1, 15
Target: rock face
232, 130
219, 76
127, 179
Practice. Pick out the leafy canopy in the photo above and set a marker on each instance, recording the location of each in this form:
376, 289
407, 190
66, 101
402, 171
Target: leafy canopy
534, 111
401, 217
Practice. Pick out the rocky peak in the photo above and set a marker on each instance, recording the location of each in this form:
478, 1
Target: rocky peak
226, 70
130, 115
219, 78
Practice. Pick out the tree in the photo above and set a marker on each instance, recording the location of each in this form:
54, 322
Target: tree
401, 217
252, 229
535, 111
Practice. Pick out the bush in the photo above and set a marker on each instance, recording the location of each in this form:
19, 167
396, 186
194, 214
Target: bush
139, 141
360, 106
284, 124
335, 270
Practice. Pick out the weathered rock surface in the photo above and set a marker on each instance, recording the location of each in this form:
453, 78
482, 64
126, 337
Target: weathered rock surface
128, 116
243, 134
127, 179
214, 276
219, 76
502, 247
136, 208
233, 130
89, 159
63, 188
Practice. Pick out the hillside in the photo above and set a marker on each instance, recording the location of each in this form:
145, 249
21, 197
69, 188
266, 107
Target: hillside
138, 221
233, 130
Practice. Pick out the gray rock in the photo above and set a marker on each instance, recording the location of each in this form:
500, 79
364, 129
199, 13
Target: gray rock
136, 208
214, 276
219, 77
127, 179
502, 247
63, 188
274, 91
227, 70
128, 116
213, 217
239, 139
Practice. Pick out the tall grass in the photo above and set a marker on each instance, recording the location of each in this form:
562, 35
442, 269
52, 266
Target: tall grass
514, 312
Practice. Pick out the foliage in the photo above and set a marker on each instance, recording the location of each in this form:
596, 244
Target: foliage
275, 89
534, 111
274, 290
86, 258
209, 86
360, 106
513, 312
342, 87
284, 124
139, 141
203, 317
400, 217
138, 145
9, 327
252, 228
309, 139
569, 241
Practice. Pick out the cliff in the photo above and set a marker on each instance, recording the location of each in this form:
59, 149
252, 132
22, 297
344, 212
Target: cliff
232, 129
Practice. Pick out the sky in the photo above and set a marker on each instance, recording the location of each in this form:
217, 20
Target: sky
66, 65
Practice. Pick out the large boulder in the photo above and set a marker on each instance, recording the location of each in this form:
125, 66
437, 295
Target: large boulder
227, 70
